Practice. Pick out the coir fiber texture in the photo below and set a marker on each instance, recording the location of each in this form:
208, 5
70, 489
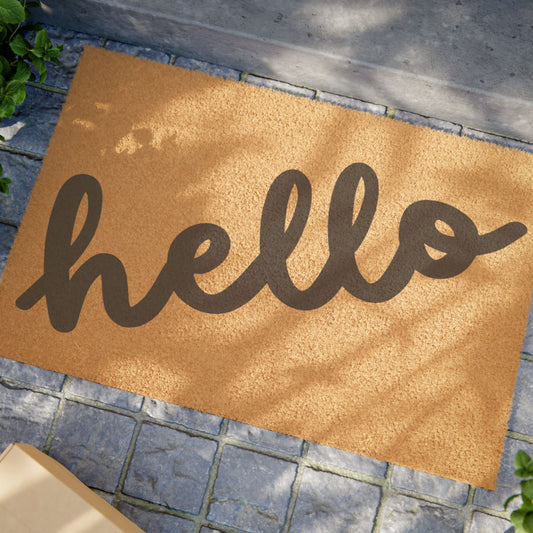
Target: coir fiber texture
313, 270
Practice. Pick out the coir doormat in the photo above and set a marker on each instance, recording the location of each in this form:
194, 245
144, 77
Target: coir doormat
313, 270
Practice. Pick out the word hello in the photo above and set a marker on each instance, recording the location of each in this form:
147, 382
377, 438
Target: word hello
65, 293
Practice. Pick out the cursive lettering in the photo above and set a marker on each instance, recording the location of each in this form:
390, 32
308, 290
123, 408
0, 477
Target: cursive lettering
65, 293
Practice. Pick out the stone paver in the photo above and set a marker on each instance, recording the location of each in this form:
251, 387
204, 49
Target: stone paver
402, 514
508, 484
31, 374
182, 415
445, 489
328, 503
31, 126
7, 236
521, 419
264, 438
352, 103
280, 86
484, 523
419, 120
23, 171
107, 395
496, 139
138, 51
92, 443
170, 468
25, 416
251, 491
208, 68
154, 522
350, 461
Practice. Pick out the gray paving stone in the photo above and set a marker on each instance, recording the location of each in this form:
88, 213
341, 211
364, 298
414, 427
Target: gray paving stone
7, 236
138, 51
402, 514
280, 86
73, 44
445, 489
31, 374
23, 172
508, 484
92, 443
183, 415
497, 139
251, 491
521, 419
153, 522
25, 416
484, 523
208, 68
352, 103
31, 126
170, 468
328, 503
265, 438
419, 120
350, 461
108, 395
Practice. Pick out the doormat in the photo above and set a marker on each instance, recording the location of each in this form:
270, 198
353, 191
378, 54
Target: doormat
313, 270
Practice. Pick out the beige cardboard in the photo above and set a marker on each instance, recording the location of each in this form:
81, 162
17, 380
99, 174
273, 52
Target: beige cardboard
39, 495
424, 379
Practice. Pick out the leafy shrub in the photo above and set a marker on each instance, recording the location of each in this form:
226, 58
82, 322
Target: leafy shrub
522, 518
17, 56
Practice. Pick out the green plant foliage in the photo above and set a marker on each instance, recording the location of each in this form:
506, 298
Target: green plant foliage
17, 56
522, 518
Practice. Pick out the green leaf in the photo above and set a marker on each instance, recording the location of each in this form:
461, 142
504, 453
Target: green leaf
23, 72
20, 95
41, 39
527, 524
509, 500
521, 459
19, 45
4, 185
7, 108
41, 68
517, 518
3, 139
12, 88
527, 489
11, 11
5, 69
39, 52
3, 33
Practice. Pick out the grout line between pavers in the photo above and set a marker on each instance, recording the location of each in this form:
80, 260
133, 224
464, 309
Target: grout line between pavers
385, 490
57, 415
526, 357
128, 458
16, 151
295, 489
469, 509
213, 473
155, 507
45, 87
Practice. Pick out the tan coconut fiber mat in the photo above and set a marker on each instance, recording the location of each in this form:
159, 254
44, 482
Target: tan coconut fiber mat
320, 272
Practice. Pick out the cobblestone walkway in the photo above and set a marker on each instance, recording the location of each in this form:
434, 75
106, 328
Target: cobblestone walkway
171, 469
